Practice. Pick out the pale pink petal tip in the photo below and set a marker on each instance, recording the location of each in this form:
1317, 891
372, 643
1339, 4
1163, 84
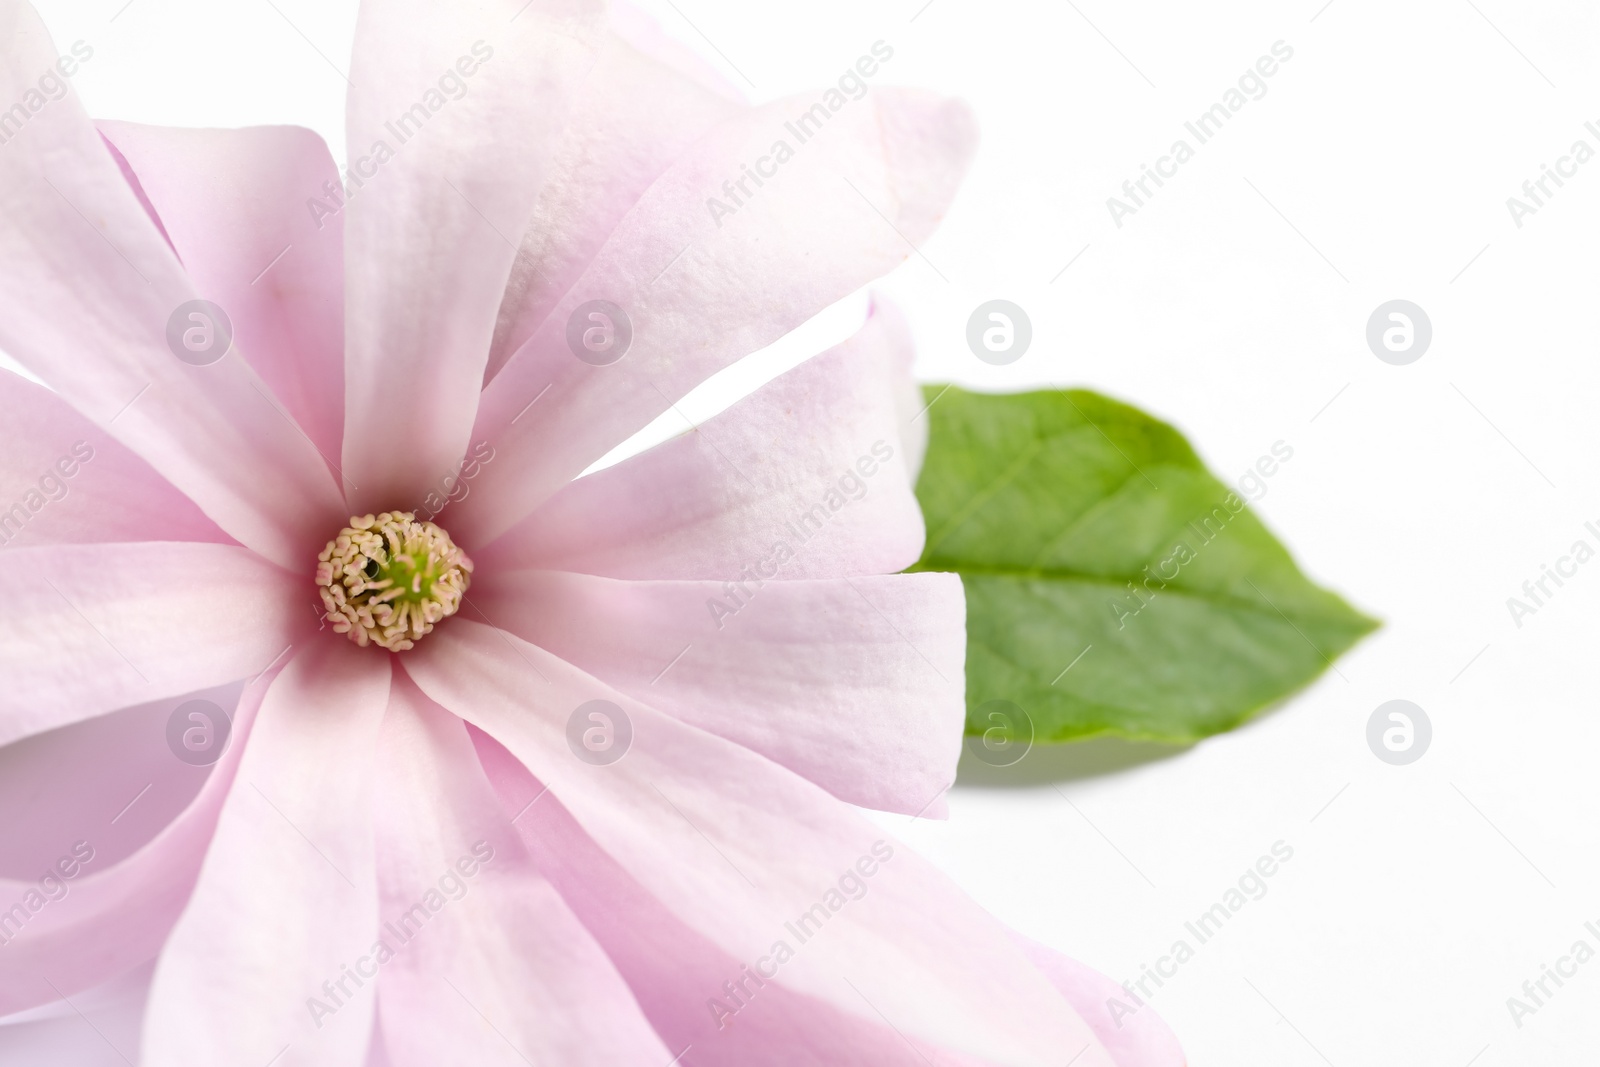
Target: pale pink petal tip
1128, 1028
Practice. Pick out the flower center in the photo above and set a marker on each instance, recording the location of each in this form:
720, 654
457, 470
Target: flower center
389, 579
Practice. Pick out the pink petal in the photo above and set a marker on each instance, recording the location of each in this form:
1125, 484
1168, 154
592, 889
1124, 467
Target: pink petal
70, 481
234, 204
701, 292
91, 628
632, 117
734, 845
1137, 1040
834, 679
287, 896
56, 1034
678, 972
429, 252
89, 288
114, 918
377, 1050
490, 966
113, 778
813, 459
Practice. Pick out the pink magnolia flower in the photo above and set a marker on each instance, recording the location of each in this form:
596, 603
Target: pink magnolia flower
421, 847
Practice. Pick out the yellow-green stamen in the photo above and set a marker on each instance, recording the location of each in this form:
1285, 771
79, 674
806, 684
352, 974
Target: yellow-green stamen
388, 579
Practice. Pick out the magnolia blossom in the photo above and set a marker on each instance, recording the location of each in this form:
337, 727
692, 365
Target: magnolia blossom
518, 764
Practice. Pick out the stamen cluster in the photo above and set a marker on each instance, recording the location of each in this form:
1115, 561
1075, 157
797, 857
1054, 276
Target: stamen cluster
388, 579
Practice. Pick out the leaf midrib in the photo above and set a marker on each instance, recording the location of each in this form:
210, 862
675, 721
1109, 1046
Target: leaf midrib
1117, 581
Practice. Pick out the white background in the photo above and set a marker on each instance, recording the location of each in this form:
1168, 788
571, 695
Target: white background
1234, 304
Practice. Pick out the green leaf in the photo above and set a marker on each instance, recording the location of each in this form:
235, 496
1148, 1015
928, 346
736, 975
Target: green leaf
1113, 585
